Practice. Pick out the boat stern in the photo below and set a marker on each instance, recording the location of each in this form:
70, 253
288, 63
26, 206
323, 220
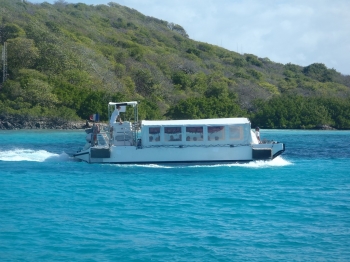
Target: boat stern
267, 151
83, 155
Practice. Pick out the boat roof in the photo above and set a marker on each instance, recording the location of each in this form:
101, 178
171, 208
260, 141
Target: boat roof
131, 103
213, 121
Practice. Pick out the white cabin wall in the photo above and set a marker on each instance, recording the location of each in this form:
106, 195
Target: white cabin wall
244, 137
122, 134
254, 138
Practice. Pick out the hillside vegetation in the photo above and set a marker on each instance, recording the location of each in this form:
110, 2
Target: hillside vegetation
69, 60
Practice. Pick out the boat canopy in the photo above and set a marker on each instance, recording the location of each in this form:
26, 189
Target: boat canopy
197, 132
131, 103
201, 122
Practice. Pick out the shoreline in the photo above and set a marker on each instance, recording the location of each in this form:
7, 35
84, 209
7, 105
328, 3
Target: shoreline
9, 122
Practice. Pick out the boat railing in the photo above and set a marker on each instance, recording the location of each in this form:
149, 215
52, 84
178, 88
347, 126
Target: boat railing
122, 134
136, 126
266, 141
105, 128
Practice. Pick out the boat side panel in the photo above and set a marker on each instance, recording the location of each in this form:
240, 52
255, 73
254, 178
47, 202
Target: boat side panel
83, 155
178, 154
131, 154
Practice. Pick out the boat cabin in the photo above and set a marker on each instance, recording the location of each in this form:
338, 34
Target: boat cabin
195, 132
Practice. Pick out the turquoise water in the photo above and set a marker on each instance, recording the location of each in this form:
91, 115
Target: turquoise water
294, 208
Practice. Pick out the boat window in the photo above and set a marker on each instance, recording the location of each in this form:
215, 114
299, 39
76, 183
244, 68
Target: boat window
216, 133
154, 134
172, 133
236, 132
194, 133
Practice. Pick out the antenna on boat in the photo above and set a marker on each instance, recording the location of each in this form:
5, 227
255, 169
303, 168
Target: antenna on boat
4, 62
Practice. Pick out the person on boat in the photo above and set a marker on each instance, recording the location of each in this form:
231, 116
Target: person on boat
95, 131
257, 133
116, 116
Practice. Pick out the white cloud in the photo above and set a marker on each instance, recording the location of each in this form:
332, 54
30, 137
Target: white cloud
297, 31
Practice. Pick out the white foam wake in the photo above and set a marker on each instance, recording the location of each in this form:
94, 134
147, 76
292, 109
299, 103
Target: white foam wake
32, 155
146, 165
277, 162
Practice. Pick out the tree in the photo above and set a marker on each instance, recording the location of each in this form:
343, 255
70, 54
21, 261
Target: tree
22, 53
95, 102
40, 93
144, 82
205, 107
177, 28
181, 79
60, 3
10, 31
252, 59
319, 72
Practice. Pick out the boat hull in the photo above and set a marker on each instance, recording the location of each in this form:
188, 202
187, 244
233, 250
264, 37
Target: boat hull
212, 154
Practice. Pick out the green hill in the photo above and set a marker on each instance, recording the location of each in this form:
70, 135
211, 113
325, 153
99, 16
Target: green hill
70, 60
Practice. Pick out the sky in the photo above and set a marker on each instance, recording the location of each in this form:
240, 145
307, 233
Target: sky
300, 32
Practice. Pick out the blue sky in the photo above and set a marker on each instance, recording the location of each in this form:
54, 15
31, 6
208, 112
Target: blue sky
286, 31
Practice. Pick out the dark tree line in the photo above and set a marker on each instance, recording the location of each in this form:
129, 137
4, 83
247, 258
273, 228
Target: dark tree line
69, 60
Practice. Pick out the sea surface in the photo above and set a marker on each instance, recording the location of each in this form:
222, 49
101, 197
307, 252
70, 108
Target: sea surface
294, 208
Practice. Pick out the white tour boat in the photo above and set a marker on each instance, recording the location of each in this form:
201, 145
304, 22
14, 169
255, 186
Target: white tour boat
218, 140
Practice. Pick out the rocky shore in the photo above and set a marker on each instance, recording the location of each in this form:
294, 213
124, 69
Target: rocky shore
324, 127
11, 122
